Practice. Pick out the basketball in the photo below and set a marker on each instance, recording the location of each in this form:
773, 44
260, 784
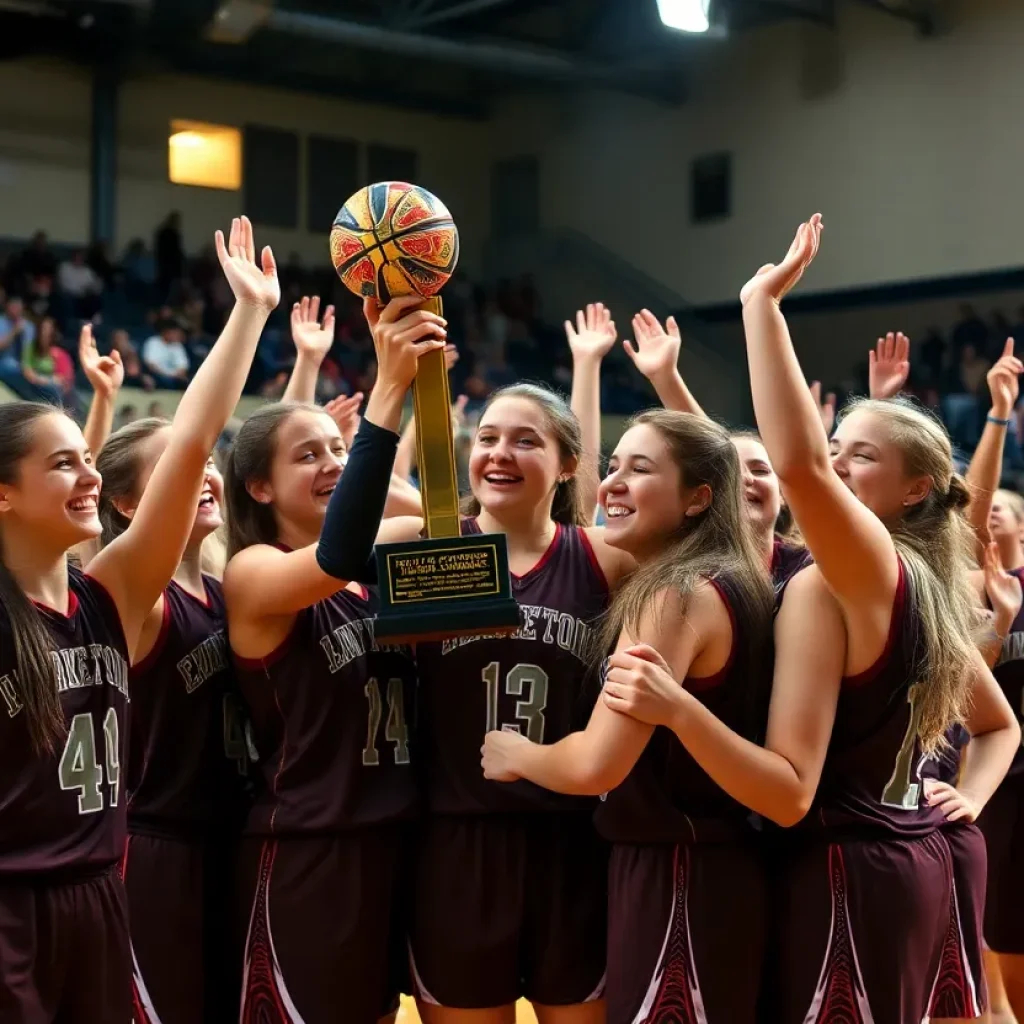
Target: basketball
392, 239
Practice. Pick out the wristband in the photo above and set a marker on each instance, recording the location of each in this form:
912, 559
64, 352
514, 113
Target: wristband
997, 421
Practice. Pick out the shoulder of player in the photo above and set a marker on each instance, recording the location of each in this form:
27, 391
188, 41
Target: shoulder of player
615, 564
243, 568
806, 585
977, 578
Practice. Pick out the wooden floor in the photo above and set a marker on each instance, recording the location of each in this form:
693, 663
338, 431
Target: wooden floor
408, 1014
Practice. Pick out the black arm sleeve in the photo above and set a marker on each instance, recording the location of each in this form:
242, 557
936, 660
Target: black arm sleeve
357, 504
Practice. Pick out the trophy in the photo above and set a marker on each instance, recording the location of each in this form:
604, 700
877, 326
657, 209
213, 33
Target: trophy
393, 239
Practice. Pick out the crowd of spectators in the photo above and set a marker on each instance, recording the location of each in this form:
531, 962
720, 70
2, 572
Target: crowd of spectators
162, 312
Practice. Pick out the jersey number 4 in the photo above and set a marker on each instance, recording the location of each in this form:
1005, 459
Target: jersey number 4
79, 769
530, 684
395, 729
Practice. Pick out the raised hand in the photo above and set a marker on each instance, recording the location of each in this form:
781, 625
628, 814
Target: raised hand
459, 412
252, 284
344, 410
312, 338
889, 365
655, 352
1003, 589
776, 281
594, 333
826, 407
1003, 383
401, 334
105, 373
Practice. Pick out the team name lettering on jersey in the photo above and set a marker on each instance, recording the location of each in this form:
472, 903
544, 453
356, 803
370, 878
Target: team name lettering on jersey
1012, 650
352, 640
10, 695
204, 661
76, 667
548, 625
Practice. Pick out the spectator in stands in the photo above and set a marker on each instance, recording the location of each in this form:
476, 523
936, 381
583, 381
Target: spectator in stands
80, 285
970, 331
134, 376
37, 266
98, 259
139, 272
156, 410
48, 368
165, 356
170, 255
931, 357
962, 404
16, 332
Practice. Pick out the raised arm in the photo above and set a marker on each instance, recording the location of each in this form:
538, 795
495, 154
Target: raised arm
262, 583
137, 566
850, 545
590, 340
1004, 596
600, 757
312, 343
655, 353
780, 779
106, 375
986, 466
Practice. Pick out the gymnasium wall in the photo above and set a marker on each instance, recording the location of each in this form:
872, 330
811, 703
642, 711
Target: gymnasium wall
45, 116
911, 147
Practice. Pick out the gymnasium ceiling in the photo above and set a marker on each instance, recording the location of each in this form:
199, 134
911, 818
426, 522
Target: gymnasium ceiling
449, 56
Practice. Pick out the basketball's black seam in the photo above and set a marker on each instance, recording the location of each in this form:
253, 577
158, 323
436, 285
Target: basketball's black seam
378, 244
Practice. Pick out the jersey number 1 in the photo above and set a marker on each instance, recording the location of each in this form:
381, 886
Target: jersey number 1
395, 730
902, 791
79, 768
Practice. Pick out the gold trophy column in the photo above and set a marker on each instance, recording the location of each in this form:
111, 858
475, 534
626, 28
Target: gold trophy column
435, 441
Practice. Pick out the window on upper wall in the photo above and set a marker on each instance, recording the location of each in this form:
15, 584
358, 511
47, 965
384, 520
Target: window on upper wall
711, 188
205, 155
271, 176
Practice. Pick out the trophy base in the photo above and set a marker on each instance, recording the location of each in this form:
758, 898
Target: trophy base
441, 587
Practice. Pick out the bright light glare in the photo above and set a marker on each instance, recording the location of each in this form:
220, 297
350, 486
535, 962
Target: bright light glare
685, 15
188, 140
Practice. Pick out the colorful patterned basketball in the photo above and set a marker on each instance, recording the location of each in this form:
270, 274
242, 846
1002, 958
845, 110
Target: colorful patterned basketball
394, 239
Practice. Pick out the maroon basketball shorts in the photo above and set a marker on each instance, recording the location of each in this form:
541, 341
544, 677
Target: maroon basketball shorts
686, 933
324, 936
507, 907
1002, 823
960, 989
64, 952
872, 931
164, 879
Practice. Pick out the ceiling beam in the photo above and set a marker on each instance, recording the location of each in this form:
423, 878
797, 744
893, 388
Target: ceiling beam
432, 15
521, 61
915, 11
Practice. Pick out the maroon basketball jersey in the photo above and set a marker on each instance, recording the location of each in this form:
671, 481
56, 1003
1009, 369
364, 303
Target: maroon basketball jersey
668, 797
1009, 673
787, 560
331, 718
538, 681
176, 759
65, 812
872, 772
